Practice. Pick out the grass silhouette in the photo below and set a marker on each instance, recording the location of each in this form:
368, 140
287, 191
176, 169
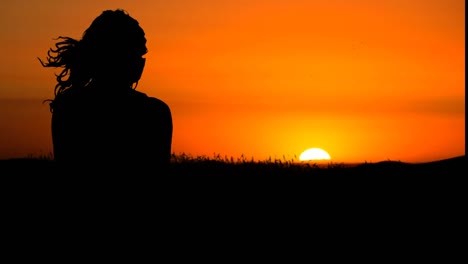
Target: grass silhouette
186, 165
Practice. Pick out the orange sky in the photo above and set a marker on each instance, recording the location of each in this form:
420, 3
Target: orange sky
365, 80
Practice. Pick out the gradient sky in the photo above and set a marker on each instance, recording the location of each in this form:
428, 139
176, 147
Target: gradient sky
364, 80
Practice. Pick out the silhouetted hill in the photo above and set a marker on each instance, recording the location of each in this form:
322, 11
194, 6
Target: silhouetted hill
445, 167
456, 161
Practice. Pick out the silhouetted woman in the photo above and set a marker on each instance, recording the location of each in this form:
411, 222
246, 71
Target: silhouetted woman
98, 118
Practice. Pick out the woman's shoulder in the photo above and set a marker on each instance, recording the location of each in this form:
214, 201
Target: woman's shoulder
68, 99
152, 102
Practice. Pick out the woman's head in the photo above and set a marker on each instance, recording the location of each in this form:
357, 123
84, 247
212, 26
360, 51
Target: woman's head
113, 46
110, 51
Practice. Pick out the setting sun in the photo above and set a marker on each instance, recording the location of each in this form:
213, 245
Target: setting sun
314, 154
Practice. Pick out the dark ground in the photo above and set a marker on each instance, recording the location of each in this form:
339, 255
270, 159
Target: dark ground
389, 201
212, 174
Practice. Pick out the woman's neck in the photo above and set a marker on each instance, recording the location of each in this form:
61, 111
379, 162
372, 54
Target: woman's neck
111, 85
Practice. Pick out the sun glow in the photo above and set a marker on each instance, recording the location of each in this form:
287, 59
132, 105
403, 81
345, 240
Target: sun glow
314, 154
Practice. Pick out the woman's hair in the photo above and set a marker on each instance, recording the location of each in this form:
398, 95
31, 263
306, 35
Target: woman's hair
109, 48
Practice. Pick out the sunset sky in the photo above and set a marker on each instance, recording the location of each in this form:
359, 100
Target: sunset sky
364, 80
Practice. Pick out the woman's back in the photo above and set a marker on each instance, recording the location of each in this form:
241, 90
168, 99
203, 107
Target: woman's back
116, 129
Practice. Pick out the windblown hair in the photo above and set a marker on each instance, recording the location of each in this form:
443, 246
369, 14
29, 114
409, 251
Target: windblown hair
111, 41
66, 56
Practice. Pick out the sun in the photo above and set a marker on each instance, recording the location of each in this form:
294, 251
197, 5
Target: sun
314, 154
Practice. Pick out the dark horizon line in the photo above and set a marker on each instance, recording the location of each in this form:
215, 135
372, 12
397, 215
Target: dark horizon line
311, 162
